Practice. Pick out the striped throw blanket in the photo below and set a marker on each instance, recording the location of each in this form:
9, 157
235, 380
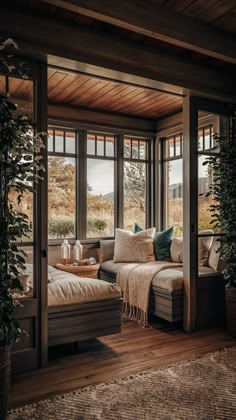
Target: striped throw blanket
135, 281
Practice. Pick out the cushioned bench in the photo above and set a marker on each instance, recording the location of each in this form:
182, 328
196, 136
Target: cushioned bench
166, 295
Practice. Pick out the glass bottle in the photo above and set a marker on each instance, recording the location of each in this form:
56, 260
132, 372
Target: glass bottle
65, 252
78, 251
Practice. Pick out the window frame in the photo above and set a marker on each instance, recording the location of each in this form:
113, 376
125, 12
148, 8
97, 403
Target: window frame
74, 155
81, 157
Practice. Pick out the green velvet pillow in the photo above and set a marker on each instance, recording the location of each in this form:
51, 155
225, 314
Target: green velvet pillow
137, 228
161, 243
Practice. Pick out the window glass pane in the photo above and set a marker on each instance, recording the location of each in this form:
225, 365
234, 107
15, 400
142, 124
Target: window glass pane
70, 142
134, 149
100, 145
91, 144
142, 150
204, 203
26, 207
59, 141
207, 133
50, 141
21, 92
110, 142
127, 148
174, 192
100, 198
171, 150
27, 276
134, 194
177, 145
61, 197
200, 139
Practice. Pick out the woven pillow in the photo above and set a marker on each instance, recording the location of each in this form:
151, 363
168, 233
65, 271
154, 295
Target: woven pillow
134, 247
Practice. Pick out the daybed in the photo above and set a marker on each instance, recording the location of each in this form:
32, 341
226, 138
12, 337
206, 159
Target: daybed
80, 308
166, 294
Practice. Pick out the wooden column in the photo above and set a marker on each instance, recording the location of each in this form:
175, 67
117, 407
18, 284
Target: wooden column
190, 213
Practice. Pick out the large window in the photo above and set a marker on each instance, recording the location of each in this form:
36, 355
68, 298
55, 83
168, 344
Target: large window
61, 184
93, 187
173, 183
173, 180
135, 182
100, 185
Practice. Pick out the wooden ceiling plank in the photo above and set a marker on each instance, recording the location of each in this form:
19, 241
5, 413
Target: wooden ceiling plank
153, 97
113, 53
91, 91
127, 101
55, 80
62, 88
156, 101
90, 83
114, 94
77, 86
159, 23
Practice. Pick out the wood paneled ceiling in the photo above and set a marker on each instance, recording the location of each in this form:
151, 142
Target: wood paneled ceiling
97, 94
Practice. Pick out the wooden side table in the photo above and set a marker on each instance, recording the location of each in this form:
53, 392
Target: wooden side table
90, 271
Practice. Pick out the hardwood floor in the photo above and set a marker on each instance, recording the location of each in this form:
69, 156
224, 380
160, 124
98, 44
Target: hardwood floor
132, 351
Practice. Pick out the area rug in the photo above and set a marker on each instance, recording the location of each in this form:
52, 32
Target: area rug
202, 389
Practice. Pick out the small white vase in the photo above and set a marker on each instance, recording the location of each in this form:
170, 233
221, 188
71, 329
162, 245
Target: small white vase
65, 252
78, 251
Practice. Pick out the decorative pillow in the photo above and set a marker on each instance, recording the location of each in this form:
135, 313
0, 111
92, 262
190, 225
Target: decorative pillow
204, 245
137, 228
176, 250
214, 255
106, 250
134, 247
162, 242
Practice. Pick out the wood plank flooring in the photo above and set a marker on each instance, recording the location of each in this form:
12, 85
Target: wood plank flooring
132, 351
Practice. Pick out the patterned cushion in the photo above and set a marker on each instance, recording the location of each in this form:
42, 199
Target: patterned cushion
134, 247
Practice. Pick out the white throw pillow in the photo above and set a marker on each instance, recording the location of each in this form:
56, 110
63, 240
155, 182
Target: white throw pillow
134, 247
214, 256
204, 246
176, 250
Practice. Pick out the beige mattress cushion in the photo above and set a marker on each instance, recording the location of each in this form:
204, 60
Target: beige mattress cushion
169, 279
68, 289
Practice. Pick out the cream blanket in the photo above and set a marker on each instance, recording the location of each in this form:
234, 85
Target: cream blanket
135, 281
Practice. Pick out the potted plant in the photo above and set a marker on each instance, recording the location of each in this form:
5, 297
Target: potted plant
223, 190
20, 166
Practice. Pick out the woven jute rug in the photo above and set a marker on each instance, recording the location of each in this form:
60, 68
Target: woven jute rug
203, 389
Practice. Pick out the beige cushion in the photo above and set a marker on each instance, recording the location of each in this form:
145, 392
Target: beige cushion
68, 289
106, 250
176, 250
204, 246
214, 256
134, 247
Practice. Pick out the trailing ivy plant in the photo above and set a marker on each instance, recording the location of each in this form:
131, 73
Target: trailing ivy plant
20, 168
223, 191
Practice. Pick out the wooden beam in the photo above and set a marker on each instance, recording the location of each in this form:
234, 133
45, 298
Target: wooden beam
47, 36
159, 23
83, 118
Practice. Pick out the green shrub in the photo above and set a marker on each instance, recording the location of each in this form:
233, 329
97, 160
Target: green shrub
61, 226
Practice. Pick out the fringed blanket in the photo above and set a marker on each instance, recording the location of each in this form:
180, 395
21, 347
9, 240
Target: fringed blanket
135, 281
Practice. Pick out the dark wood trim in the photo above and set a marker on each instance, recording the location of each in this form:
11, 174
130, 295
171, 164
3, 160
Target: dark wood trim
42, 220
119, 185
100, 119
37, 35
82, 185
190, 211
166, 25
